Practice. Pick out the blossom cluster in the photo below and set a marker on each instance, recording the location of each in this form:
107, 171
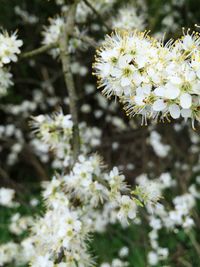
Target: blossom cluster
51, 35
129, 19
170, 218
55, 133
9, 49
76, 199
6, 197
85, 200
151, 79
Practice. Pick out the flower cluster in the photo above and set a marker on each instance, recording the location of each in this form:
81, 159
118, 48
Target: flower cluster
9, 49
160, 149
129, 19
170, 218
6, 197
150, 78
5, 81
75, 198
53, 129
55, 133
85, 200
51, 35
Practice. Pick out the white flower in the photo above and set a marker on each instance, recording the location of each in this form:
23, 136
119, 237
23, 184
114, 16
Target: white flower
185, 100
150, 191
9, 48
5, 81
174, 111
43, 261
153, 258
124, 251
129, 19
151, 79
127, 208
6, 197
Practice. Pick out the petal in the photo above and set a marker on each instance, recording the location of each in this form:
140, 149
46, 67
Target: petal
125, 81
139, 100
175, 80
131, 214
186, 113
137, 79
172, 91
198, 73
159, 105
185, 100
106, 69
174, 111
159, 91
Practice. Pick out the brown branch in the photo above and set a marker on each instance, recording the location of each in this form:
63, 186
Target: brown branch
66, 31
86, 39
96, 13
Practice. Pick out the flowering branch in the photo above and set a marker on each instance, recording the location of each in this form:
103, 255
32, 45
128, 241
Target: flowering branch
66, 31
96, 12
38, 51
86, 39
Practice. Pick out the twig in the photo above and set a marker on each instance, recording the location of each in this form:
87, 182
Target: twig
194, 243
66, 31
85, 39
38, 51
96, 13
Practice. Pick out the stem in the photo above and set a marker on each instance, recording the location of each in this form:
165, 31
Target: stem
38, 51
66, 31
96, 12
194, 243
86, 39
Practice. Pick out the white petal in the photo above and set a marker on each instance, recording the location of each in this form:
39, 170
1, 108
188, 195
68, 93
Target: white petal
106, 69
198, 73
125, 81
140, 91
124, 60
175, 80
185, 100
171, 91
159, 91
159, 105
131, 214
114, 72
137, 78
147, 89
186, 113
174, 111
139, 100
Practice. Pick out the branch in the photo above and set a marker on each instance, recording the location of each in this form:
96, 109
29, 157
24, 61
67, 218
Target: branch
66, 32
38, 51
96, 13
85, 39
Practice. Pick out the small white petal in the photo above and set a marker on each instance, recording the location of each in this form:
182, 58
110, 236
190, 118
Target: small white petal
159, 105
185, 100
174, 111
186, 113
125, 81
175, 80
159, 91
139, 100
172, 92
